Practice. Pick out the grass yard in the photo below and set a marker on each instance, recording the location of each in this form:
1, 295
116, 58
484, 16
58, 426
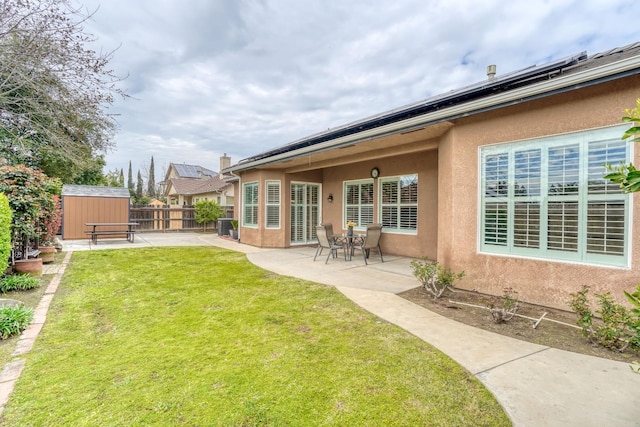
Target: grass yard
201, 337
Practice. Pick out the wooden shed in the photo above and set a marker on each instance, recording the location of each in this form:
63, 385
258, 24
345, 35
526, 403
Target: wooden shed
87, 203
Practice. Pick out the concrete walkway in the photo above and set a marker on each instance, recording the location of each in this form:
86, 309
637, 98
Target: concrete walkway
537, 385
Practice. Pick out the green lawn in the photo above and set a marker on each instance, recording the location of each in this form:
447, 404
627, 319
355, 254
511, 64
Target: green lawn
201, 337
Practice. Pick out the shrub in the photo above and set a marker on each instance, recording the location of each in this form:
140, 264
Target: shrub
634, 323
26, 190
581, 306
434, 277
18, 282
207, 211
51, 221
5, 233
507, 308
619, 327
14, 320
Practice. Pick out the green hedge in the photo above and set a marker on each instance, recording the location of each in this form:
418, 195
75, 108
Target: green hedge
5, 233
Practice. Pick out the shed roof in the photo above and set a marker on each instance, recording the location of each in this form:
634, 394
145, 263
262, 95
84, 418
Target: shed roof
94, 191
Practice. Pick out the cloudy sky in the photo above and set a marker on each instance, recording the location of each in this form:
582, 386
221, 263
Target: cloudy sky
208, 77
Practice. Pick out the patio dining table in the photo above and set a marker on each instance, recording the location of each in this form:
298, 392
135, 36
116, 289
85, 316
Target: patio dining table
349, 240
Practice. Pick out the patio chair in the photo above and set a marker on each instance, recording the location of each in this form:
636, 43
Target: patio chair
332, 244
330, 234
370, 241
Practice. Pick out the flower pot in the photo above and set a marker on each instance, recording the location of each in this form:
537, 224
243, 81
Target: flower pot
31, 266
47, 253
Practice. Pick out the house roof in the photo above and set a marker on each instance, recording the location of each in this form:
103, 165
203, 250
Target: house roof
191, 186
192, 171
94, 191
533, 82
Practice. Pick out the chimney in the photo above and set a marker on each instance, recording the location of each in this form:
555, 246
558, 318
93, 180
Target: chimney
491, 72
225, 162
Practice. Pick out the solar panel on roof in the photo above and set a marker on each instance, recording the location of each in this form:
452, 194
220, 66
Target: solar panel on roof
192, 171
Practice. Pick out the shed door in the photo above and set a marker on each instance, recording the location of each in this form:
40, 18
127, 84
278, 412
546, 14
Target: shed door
305, 209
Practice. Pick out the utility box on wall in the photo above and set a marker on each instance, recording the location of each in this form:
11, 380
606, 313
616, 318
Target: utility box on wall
87, 203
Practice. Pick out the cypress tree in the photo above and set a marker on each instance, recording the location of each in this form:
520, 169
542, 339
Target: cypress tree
151, 185
139, 186
130, 180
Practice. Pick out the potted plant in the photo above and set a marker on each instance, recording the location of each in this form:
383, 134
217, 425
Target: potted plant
234, 231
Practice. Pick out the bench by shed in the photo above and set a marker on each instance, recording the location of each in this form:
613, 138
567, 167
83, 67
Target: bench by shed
83, 204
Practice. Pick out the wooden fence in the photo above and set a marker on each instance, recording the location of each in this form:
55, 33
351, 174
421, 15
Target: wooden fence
170, 218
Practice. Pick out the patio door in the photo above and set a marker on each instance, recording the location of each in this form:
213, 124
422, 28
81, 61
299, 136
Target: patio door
305, 212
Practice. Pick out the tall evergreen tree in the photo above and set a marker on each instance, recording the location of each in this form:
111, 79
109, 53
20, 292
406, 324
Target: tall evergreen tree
139, 186
121, 177
130, 180
151, 185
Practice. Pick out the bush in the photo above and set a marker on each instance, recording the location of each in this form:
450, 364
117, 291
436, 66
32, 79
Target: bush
506, 306
634, 324
207, 211
434, 277
18, 282
5, 233
51, 221
26, 190
14, 320
619, 327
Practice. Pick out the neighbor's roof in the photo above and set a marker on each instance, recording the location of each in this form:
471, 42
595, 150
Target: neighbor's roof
191, 186
533, 82
94, 191
192, 171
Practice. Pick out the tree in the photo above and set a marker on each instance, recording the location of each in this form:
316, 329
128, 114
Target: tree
121, 180
151, 183
112, 178
92, 173
54, 92
130, 181
627, 176
139, 186
207, 211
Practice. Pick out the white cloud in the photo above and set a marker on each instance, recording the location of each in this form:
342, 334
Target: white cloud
240, 77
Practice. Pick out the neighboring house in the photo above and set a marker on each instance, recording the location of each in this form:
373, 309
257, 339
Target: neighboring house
501, 179
187, 184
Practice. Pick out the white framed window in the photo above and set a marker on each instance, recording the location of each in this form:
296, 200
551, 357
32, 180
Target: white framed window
250, 204
358, 202
399, 203
272, 204
547, 198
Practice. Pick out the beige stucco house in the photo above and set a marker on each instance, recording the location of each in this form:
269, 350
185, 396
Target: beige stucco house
501, 179
187, 184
